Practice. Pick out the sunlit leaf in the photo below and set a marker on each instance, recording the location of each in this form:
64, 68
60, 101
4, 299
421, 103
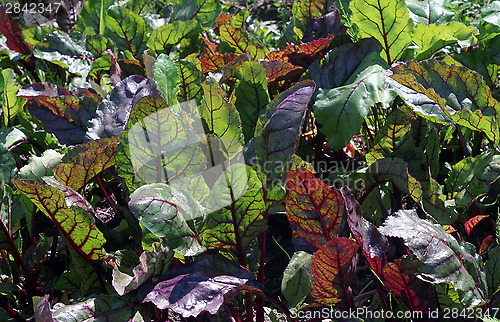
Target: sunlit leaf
205, 11
241, 42
38, 167
471, 223
429, 11
111, 306
166, 36
10, 103
191, 79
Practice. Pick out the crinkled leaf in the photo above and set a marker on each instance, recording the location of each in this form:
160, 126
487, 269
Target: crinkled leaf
431, 38
400, 277
8, 168
442, 258
111, 307
238, 194
492, 267
74, 223
341, 111
251, 95
87, 160
165, 211
387, 21
171, 34
473, 177
297, 278
314, 210
167, 78
331, 269
448, 94
38, 167
152, 263
200, 286
373, 243
241, 42
429, 11
190, 81
205, 11
341, 63
10, 29
221, 117
277, 70
302, 55
72, 198
284, 117
11, 104
157, 146
113, 112
127, 29
43, 89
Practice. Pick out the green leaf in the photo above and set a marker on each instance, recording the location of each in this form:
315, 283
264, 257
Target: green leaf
492, 267
38, 167
91, 159
297, 278
164, 37
127, 29
306, 10
157, 146
489, 13
74, 223
8, 168
341, 111
431, 38
167, 78
205, 11
238, 194
113, 307
88, 20
221, 117
429, 11
331, 269
191, 79
385, 20
282, 126
251, 95
165, 210
448, 94
441, 257
11, 104
473, 177
241, 42
314, 210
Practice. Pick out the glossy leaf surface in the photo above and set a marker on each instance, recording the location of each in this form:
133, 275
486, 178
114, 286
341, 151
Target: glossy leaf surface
170, 34
11, 104
205, 11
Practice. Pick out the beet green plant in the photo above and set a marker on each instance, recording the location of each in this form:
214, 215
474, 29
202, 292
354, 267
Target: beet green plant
190, 160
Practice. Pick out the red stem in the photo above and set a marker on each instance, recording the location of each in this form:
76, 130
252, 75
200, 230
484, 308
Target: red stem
106, 194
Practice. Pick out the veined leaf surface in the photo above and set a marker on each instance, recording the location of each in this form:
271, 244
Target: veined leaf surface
429, 11
205, 11
239, 40
10, 103
441, 257
297, 278
314, 210
385, 20
168, 35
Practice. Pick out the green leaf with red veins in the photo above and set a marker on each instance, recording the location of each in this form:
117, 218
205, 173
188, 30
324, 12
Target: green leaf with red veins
331, 269
473, 177
205, 11
190, 81
442, 258
127, 29
90, 15
306, 10
151, 264
448, 94
72, 198
166, 36
401, 278
431, 38
297, 278
314, 210
492, 267
241, 42
221, 117
429, 11
91, 159
373, 243
385, 20
251, 95
157, 146
283, 120
74, 224
165, 211
11, 104
238, 196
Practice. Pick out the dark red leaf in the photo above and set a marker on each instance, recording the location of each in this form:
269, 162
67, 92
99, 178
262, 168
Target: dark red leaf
11, 31
471, 223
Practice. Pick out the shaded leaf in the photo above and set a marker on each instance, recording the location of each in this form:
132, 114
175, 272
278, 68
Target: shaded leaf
8, 168
200, 286
373, 243
492, 268
276, 70
448, 94
330, 270
302, 55
38, 167
96, 307
10, 29
205, 11
306, 10
314, 210
441, 257
297, 278
165, 211
114, 111
87, 240
471, 223
385, 20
